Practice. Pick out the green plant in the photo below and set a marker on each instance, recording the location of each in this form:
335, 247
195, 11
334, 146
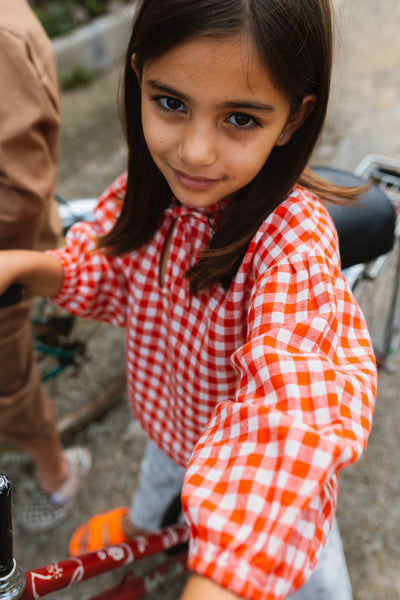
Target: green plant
79, 77
57, 18
95, 7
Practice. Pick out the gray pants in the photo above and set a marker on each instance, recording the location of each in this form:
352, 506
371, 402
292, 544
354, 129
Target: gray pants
160, 481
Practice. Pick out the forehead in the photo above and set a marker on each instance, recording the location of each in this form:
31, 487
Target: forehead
229, 63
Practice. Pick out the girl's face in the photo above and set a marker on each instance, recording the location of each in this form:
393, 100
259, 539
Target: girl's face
211, 116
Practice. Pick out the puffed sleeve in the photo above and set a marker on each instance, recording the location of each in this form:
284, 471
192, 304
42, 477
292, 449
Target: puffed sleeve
260, 491
94, 284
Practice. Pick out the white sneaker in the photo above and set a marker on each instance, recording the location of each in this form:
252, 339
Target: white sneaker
42, 511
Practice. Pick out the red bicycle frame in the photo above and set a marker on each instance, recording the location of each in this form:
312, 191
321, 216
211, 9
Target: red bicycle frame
59, 575
15, 584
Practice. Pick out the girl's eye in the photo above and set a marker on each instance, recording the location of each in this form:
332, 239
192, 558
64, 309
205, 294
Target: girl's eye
242, 121
168, 103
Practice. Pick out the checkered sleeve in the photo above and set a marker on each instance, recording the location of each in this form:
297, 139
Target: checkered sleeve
94, 285
260, 490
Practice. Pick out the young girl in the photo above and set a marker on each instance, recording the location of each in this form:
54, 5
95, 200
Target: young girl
249, 364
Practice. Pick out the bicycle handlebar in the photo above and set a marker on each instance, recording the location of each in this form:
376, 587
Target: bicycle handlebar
6, 543
12, 295
12, 578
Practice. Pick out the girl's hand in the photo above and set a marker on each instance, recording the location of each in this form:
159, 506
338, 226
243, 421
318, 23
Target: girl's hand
199, 588
9, 270
37, 272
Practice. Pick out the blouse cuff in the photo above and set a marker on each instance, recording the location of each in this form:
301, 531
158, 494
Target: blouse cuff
234, 573
69, 277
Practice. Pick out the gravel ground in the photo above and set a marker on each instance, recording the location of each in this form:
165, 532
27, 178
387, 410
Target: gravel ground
364, 118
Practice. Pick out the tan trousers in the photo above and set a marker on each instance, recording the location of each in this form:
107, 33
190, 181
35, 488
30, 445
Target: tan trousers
29, 141
27, 415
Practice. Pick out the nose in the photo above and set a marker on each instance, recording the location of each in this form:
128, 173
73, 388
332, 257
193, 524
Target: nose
198, 143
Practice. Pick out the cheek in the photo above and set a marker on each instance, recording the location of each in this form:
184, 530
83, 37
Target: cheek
248, 159
158, 140
152, 136
153, 132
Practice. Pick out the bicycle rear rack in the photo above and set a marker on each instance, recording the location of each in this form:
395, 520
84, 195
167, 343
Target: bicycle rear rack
382, 170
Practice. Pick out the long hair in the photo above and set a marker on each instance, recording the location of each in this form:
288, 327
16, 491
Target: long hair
294, 40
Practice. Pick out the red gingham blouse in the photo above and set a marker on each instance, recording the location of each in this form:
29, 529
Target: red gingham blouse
264, 391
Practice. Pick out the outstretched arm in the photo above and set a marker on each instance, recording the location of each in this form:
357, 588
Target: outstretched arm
198, 588
261, 486
38, 272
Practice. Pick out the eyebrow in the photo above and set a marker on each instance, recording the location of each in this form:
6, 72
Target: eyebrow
244, 104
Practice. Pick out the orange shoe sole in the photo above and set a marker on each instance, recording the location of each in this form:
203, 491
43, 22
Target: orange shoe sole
104, 529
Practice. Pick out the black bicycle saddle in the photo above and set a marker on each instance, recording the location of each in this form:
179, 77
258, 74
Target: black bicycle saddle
366, 227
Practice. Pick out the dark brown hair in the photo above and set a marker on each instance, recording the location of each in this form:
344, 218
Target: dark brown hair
294, 40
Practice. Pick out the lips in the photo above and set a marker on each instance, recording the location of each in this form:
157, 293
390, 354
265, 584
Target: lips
194, 182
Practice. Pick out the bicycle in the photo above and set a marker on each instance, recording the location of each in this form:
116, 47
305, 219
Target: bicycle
15, 584
370, 249
61, 343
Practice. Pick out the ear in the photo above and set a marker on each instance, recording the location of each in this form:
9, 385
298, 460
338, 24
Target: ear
135, 67
296, 119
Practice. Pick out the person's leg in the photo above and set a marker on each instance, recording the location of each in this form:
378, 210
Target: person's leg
330, 579
159, 485
160, 482
50, 462
26, 413
27, 417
